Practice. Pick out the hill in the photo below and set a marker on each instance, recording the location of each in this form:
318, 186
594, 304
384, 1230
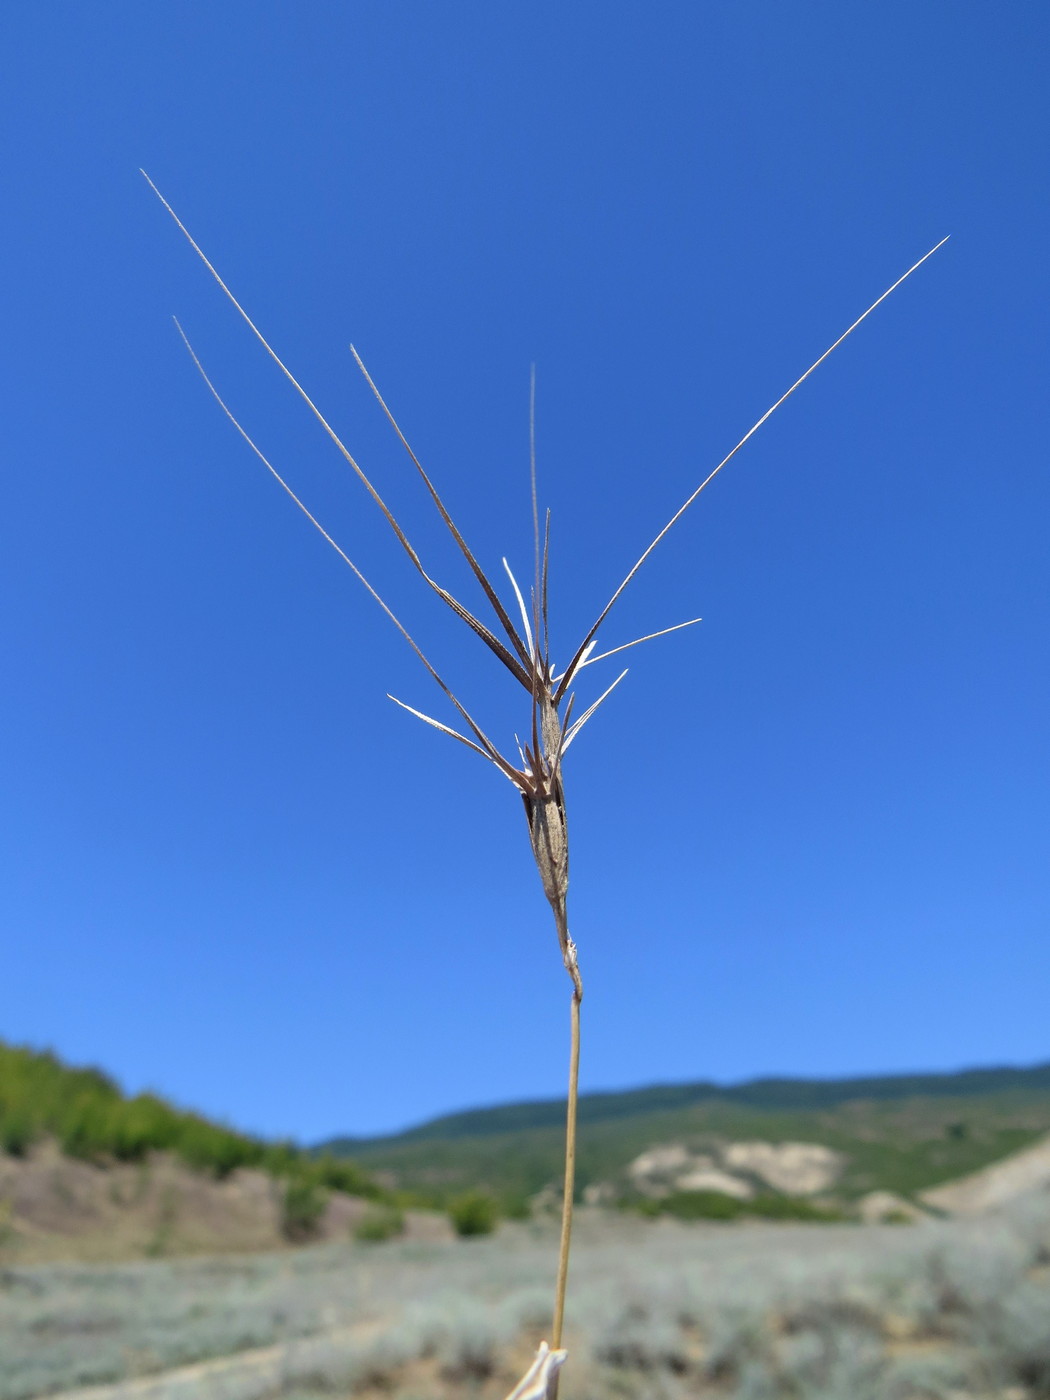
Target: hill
899, 1133
82, 1161
78, 1157
91, 1118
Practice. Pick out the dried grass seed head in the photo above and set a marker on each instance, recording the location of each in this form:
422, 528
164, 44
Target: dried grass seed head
525, 653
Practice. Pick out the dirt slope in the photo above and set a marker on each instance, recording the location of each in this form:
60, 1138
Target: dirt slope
55, 1207
1002, 1182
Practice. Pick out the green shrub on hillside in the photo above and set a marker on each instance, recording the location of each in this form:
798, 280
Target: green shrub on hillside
700, 1205
90, 1118
16, 1133
345, 1176
302, 1209
379, 1223
473, 1213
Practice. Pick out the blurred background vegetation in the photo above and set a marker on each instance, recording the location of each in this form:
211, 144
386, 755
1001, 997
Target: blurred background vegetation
898, 1133
89, 1117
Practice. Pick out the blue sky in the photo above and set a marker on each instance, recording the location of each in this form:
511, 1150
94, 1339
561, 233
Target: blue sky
809, 836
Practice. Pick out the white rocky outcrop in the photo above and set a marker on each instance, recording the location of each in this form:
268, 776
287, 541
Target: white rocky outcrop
795, 1168
711, 1179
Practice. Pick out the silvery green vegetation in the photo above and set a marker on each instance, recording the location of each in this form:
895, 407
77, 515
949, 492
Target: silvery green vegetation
939, 1309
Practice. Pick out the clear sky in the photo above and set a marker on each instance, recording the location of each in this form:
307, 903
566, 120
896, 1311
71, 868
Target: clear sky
810, 835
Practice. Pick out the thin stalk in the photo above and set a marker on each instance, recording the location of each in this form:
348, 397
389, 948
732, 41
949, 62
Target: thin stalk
570, 1173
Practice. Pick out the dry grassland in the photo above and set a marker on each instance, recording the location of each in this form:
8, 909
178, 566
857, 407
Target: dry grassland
944, 1310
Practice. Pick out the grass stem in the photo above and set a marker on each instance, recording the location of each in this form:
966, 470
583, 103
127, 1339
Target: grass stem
570, 1172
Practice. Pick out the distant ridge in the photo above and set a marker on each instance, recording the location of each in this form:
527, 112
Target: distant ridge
768, 1094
